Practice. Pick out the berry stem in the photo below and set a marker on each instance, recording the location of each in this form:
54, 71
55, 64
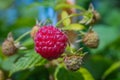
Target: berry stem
72, 15
22, 36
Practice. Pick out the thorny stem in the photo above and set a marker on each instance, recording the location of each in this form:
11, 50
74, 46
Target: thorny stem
22, 36
72, 15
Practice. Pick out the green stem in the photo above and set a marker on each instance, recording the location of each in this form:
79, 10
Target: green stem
72, 15
22, 36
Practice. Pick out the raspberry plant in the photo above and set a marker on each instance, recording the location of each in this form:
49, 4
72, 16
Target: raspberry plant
56, 44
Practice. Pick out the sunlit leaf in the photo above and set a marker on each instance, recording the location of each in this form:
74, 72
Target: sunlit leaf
66, 21
112, 68
75, 27
87, 18
86, 74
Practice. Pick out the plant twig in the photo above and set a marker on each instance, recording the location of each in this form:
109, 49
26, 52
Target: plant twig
22, 36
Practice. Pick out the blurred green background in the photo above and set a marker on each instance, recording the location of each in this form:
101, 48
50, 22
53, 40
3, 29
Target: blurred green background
18, 16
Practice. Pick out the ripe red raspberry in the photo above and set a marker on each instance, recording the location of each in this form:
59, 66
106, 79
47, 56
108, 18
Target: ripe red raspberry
50, 42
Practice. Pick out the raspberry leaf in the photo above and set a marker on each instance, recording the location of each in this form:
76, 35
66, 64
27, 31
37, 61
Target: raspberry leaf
67, 21
87, 18
112, 68
29, 60
62, 74
86, 74
75, 27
